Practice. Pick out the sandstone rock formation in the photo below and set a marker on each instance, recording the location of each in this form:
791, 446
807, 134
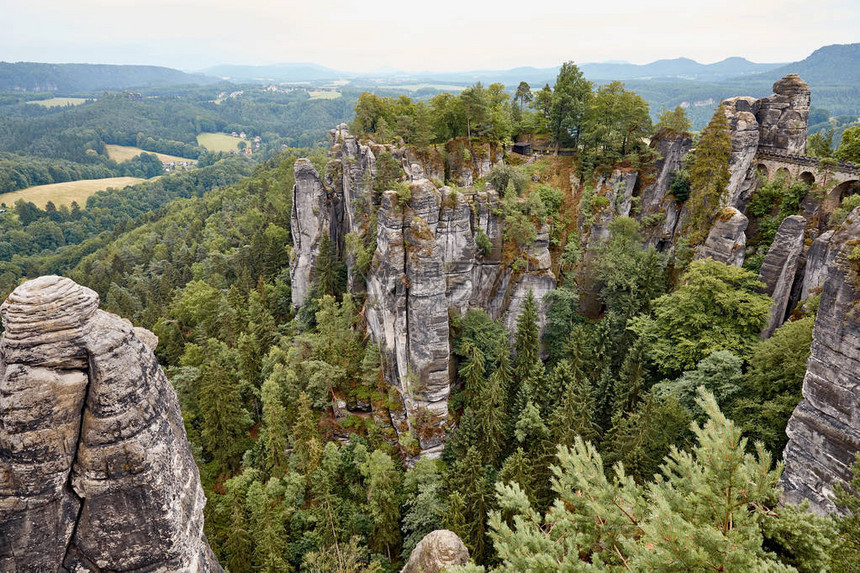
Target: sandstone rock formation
726, 240
784, 116
779, 268
656, 203
824, 430
438, 550
310, 218
746, 134
95, 469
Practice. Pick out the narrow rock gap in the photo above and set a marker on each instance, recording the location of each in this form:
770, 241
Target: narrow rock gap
68, 486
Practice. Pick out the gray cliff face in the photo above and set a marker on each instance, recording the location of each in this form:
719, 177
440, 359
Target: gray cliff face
824, 430
439, 549
95, 469
746, 134
784, 116
818, 258
310, 218
727, 239
779, 268
656, 199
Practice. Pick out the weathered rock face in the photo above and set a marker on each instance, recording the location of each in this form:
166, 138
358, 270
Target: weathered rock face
784, 116
726, 241
95, 469
824, 430
779, 268
818, 258
438, 550
656, 199
310, 219
745, 134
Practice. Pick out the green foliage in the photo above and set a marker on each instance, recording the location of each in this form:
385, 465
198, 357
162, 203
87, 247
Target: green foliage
715, 508
569, 103
679, 185
849, 147
846, 556
771, 388
675, 120
483, 242
848, 204
614, 127
820, 144
501, 176
709, 175
717, 307
720, 373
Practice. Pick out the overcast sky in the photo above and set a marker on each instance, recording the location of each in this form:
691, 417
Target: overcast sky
419, 35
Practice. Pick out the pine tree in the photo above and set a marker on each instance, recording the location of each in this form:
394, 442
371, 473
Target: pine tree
709, 175
716, 508
275, 428
472, 372
573, 415
307, 448
527, 338
469, 477
846, 556
491, 415
383, 501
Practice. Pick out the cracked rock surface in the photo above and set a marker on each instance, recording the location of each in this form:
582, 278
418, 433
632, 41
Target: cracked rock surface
96, 473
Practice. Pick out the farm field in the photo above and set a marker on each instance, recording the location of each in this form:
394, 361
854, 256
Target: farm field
323, 94
122, 153
65, 193
59, 101
219, 142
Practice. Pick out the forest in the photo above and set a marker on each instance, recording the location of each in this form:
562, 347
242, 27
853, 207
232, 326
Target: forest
649, 433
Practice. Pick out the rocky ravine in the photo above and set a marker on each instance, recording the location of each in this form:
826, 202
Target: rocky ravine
95, 468
824, 430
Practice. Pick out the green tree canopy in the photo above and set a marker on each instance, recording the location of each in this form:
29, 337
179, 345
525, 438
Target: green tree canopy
717, 307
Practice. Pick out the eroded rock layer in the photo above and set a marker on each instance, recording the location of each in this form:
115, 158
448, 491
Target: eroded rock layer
824, 430
95, 469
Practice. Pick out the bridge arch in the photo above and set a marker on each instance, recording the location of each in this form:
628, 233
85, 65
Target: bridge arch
763, 172
782, 174
850, 187
807, 177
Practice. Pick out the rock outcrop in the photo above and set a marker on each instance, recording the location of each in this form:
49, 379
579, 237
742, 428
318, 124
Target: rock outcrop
660, 213
727, 239
779, 268
438, 550
784, 117
746, 134
310, 219
96, 473
824, 430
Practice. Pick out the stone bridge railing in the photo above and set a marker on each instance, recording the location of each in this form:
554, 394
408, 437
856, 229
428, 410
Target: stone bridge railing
781, 156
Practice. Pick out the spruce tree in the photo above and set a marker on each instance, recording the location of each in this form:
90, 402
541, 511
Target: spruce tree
709, 175
383, 501
527, 338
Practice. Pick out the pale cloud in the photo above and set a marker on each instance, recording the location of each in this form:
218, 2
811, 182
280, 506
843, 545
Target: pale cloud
436, 35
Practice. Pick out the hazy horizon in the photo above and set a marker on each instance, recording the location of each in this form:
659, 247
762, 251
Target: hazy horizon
450, 36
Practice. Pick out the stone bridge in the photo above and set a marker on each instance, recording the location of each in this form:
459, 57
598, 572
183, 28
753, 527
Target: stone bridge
838, 178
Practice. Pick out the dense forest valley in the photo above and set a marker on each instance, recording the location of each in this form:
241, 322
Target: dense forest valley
524, 314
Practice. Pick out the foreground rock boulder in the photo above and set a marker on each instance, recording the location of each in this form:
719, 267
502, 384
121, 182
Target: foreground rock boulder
96, 473
824, 430
438, 550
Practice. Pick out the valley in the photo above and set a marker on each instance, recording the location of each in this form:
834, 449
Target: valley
590, 317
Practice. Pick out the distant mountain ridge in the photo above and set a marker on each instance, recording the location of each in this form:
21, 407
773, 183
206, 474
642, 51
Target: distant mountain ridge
672, 68
86, 78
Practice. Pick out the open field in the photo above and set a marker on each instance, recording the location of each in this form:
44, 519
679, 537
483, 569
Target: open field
416, 87
323, 94
219, 142
122, 153
59, 101
65, 193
